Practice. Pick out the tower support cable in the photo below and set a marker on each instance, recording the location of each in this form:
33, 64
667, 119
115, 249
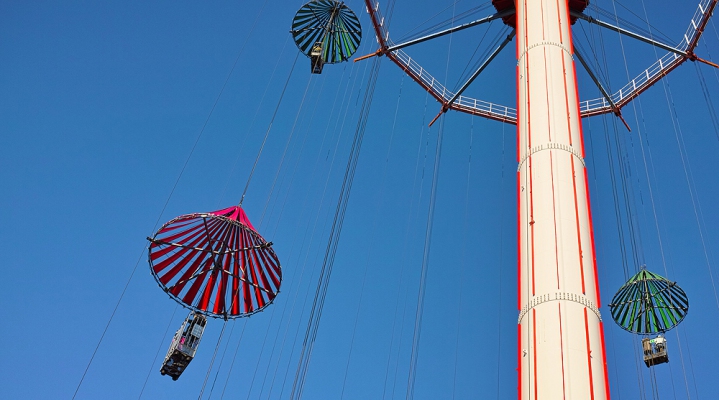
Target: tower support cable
335, 232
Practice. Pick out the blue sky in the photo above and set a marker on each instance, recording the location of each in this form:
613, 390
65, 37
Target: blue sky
101, 105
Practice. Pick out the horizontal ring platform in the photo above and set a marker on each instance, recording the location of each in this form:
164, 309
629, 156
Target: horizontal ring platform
575, 297
551, 146
545, 43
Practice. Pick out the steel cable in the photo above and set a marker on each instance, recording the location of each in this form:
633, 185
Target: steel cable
339, 127
267, 133
308, 236
222, 359
412, 215
372, 241
172, 191
427, 240
232, 364
159, 348
501, 262
463, 259
615, 196
335, 232
425, 264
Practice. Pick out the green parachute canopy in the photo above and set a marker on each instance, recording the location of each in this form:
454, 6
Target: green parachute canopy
649, 304
328, 22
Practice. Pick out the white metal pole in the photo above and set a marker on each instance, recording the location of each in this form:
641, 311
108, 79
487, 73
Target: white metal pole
561, 342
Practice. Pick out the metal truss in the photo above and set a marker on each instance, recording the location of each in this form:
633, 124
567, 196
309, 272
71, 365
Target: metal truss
609, 103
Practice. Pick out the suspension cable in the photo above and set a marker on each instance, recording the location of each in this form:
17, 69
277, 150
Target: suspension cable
427, 241
411, 216
501, 261
262, 219
294, 241
212, 360
267, 133
162, 211
159, 348
695, 204
328, 263
463, 260
247, 39
287, 146
174, 187
425, 264
375, 219
617, 212
335, 232
262, 350
308, 236
707, 98
339, 126
634, 229
598, 234
222, 360
232, 364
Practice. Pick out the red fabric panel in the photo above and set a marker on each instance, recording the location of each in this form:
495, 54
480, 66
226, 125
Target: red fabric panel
235, 213
198, 227
207, 290
235, 306
226, 259
253, 267
245, 278
180, 251
248, 272
159, 253
176, 225
189, 297
195, 265
158, 267
167, 277
216, 245
267, 269
261, 271
184, 279
219, 307
270, 266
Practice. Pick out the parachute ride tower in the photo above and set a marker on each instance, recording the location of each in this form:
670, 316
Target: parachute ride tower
561, 349
560, 333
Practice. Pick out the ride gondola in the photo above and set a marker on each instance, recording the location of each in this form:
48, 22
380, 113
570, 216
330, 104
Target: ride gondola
649, 304
217, 265
184, 345
327, 32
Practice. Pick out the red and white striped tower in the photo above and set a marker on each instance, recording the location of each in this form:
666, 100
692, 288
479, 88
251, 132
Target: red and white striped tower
561, 341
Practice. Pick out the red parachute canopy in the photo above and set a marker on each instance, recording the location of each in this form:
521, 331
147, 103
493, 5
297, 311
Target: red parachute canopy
215, 263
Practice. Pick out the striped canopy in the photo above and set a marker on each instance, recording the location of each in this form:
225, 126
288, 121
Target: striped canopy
649, 304
215, 263
330, 22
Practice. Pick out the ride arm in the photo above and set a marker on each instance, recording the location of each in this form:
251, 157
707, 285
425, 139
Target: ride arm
617, 110
662, 67
474, 76
689, 53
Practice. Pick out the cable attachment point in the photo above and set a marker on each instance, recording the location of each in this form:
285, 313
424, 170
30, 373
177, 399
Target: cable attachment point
445, 107
694, 57
378, 53
618, 113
